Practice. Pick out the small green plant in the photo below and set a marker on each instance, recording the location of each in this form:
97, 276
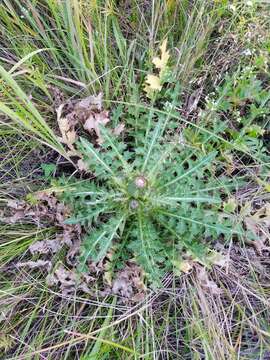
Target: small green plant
150, 202
241, 107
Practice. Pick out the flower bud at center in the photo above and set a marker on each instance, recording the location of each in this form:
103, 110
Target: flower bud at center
140, 182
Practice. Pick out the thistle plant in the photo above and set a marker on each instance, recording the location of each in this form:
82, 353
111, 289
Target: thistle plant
151, 202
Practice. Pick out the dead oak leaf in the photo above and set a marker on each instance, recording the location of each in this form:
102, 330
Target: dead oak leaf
45, 209
162, 61
74, 249
17, 215
182, 266
18, 210
94, 121
67, 129
208, 285
153, 83
258, 224
89, 103
39, 264
69, 281
15, 204
129, 283
66, 278
122, 286
86, 111
119, 129
45, 247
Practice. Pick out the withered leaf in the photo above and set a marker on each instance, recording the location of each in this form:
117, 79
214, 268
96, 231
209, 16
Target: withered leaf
18, 215
122, 286
89, 103
119, 129
129, 283
258, 224
153, 83
69, 281
36, 264
193, 100
162, 61
94, 121
18, 210
16, 204
67, 128
45, 246
74, 249
204, 281
183, 266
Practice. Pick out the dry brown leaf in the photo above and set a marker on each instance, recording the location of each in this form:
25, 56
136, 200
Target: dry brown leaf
97, 268
122, 286
36, 264
69, 237
46, 210
57, 96
216, 258
16, 204
204, 281
45, 247
46, 197
129, 283
153, 83
258, 224
183, 266
74, 250
89, 113
51, 280
119, 129
69, 281
89, 103
16, 210
66, 278
67, 128
162, 61
192, 101
94, 121
18, 215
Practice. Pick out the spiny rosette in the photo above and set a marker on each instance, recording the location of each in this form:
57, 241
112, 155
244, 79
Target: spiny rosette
149, 203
